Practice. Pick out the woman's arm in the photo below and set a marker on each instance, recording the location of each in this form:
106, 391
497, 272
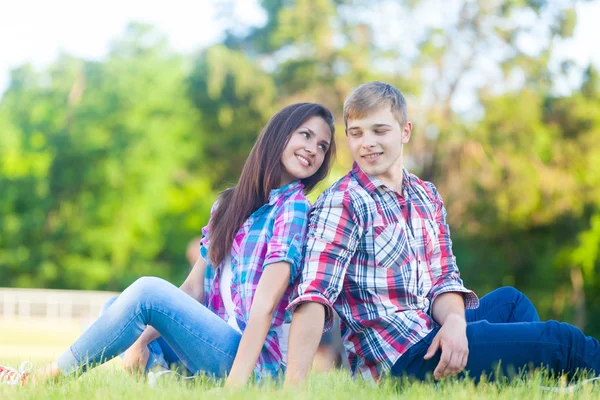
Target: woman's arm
271, 287
194, 283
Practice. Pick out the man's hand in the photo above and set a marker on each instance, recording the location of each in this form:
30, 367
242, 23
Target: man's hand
452, 339
136, 358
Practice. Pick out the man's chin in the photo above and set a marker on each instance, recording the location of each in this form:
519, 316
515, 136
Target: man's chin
370, 169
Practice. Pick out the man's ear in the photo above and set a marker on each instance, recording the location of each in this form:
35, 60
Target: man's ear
406, 132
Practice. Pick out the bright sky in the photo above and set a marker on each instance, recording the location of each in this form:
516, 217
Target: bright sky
37, 30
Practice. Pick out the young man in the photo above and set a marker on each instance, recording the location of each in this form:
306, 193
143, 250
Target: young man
379, 253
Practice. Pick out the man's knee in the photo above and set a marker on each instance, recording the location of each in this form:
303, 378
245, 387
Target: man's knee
510, 293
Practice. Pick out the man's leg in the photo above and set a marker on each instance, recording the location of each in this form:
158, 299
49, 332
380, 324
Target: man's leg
510, 347
504, 305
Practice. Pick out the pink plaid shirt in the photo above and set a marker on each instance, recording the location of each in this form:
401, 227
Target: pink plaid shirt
272, 234
379, 259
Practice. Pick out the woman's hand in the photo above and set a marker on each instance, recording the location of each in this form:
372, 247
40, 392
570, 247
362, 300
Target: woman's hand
136, 358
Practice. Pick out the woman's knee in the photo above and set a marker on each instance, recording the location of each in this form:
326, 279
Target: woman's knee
108, 303
144, 288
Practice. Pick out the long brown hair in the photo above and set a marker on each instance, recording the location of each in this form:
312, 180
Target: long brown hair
262, 173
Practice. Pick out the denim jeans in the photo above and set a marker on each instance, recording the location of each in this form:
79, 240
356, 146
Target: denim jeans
505, 336
160, 353
190, 333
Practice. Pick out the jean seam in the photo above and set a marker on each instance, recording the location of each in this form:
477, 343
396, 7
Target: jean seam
75, 353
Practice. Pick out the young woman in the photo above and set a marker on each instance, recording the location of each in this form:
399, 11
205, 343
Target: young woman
226, 319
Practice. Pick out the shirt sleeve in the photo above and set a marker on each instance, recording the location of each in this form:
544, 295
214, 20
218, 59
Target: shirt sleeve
332, 239
446, 276
289, 232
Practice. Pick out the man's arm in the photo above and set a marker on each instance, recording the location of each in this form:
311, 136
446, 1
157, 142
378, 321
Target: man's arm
305, 334
448, 310
447, 297
446, 276
332, 239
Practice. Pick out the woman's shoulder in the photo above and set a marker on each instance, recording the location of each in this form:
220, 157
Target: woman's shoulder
297, 201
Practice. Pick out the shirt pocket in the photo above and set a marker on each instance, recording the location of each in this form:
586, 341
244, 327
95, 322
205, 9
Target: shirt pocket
394, 263
390, 246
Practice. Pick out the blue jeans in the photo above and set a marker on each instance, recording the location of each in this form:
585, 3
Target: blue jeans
191, 334
505, 336
160, 351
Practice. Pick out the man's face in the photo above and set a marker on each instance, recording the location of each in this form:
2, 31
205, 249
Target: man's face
376, 143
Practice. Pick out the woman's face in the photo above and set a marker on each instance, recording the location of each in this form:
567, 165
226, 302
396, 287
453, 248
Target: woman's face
305, 151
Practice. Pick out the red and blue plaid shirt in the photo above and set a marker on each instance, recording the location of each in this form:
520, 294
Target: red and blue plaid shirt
273, 233
379, 259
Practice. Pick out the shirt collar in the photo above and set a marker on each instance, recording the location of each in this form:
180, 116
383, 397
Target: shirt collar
371, 183
283, 191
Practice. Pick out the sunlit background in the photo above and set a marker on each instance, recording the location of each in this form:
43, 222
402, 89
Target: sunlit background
121, 121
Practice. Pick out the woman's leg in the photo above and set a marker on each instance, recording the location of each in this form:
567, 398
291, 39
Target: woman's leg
199, 338
160, 352
504, 305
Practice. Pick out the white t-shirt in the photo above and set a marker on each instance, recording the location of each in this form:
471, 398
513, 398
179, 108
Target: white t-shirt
283, 331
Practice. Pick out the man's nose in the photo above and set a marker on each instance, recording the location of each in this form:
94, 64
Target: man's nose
368, 140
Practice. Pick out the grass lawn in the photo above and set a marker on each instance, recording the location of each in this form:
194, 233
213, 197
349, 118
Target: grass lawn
111, 383
40, 342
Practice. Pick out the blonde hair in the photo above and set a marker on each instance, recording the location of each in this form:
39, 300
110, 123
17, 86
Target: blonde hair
371, 96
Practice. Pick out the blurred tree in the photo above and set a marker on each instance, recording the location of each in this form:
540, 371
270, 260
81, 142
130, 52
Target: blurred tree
108, 168
511, 174
104, 142
235, 98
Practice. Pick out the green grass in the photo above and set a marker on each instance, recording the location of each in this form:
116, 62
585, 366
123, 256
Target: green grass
23, 341
111, 382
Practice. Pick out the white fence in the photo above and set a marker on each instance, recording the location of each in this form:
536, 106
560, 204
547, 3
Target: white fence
51, 304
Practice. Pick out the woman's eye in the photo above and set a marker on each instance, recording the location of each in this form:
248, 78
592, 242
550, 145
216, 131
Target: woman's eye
323, 147
305, 134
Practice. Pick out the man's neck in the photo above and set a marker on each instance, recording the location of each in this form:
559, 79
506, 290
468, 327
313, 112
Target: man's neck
393, 177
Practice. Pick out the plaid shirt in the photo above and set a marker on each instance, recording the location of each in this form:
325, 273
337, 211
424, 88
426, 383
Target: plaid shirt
379, 259
273, 233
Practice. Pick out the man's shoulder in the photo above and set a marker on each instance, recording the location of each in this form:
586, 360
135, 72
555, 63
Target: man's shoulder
346, 191
424, 189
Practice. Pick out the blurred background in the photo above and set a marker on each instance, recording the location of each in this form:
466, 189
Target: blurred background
121, 121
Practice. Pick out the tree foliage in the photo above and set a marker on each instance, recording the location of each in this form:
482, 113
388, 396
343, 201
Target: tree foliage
108, 168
